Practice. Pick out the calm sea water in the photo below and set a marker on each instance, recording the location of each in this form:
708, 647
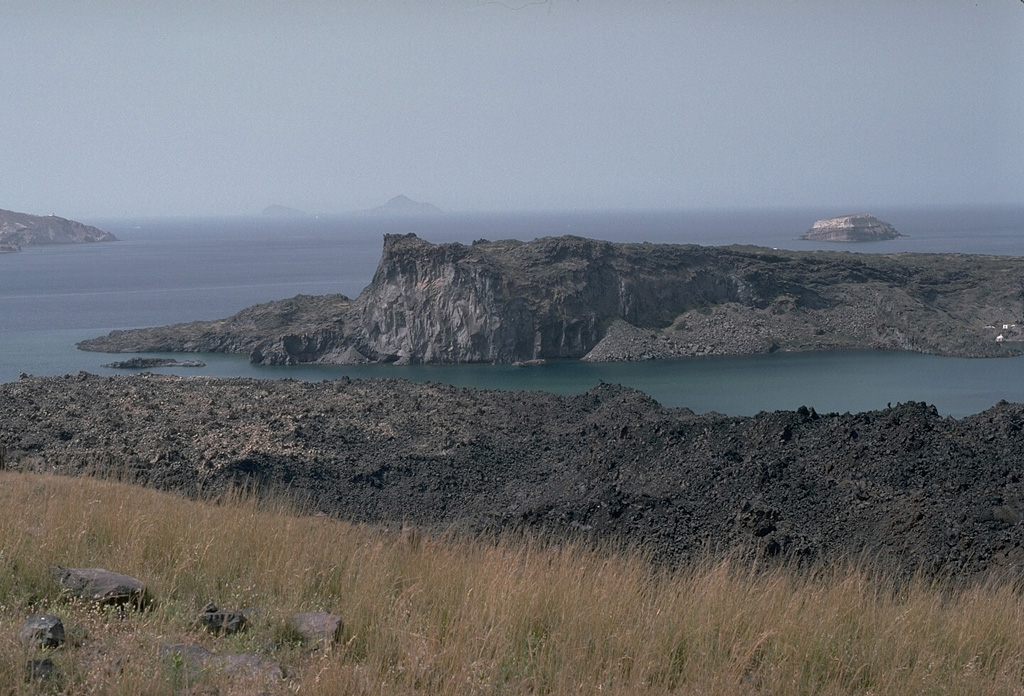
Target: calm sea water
171, 270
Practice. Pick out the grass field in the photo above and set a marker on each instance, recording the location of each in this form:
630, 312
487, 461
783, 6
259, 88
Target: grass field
444, 615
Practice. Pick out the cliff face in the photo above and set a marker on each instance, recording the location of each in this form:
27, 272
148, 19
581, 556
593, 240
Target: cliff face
569, 297
20, 229
513, 301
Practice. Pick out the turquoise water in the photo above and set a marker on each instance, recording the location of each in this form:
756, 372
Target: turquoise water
841, 381
168, 271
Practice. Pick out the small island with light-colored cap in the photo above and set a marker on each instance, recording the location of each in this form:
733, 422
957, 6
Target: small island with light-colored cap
851, 228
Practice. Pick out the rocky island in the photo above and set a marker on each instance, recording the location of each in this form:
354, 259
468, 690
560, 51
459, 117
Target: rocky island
575, 298
851, 228
21, 229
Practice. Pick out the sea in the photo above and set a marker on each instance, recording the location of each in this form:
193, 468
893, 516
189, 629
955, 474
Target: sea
169, 270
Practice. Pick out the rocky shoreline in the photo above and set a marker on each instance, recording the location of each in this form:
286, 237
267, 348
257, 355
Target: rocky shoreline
573, 298
139, 363
904, 486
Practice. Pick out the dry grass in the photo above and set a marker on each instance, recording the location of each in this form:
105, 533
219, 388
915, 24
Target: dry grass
430, 615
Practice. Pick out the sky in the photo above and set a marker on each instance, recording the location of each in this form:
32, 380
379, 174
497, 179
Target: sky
118, 108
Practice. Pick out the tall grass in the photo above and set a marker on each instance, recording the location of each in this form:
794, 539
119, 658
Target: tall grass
446, 615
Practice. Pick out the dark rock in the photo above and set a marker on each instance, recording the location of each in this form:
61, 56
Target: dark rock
222, 620
319, 627
610, 461
100, 586
42, 631
42, 669
140, 363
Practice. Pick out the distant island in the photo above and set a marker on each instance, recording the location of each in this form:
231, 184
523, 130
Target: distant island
403, 205
21, 229
275, 210
851, 228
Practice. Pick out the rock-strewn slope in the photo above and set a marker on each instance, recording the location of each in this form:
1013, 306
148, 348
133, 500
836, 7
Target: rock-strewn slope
851, 228
20, 229
569, 297
903, 485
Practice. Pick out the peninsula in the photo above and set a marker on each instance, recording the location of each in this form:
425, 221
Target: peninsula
851, 228
575, 298
21, 229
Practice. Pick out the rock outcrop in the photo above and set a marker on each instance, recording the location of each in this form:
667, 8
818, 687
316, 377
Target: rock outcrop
139, 363
42, 631
20, 229
575, 298
851, 228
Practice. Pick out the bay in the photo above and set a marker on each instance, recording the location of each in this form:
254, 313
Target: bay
172, 270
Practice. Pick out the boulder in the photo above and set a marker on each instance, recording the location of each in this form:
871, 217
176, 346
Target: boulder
317, 627
100, 586
42, 631
222, 620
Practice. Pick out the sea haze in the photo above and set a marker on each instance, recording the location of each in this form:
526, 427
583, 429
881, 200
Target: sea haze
165, 271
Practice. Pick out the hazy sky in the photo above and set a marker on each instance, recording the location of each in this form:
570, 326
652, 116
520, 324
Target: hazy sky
124, 108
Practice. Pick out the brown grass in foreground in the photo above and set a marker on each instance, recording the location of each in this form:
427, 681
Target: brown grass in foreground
451, 616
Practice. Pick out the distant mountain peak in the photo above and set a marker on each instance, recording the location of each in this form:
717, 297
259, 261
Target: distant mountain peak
275, 210
403, 205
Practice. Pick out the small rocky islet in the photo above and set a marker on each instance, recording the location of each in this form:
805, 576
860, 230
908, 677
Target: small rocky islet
861, 227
